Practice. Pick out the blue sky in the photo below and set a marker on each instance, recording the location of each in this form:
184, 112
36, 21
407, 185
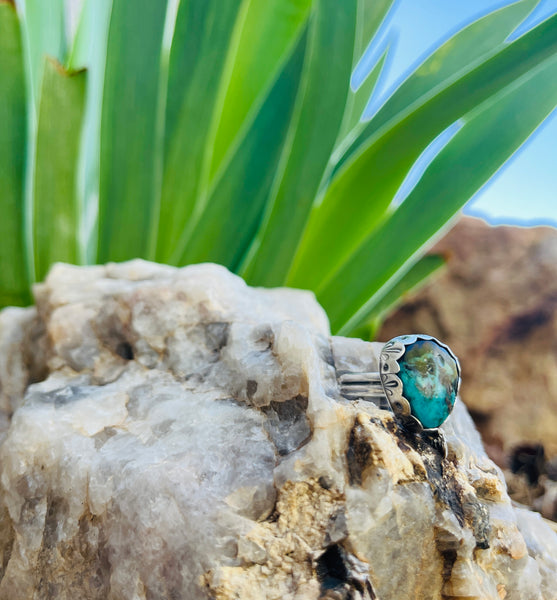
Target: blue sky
525, 190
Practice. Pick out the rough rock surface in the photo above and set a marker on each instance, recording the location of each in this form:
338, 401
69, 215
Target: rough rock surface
496, 306
175, 434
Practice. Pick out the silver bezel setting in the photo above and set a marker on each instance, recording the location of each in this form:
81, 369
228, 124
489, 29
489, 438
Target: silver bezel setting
393, 387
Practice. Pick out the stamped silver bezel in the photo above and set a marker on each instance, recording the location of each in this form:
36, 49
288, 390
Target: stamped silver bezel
389, 368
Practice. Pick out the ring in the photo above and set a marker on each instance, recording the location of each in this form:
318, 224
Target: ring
418, 375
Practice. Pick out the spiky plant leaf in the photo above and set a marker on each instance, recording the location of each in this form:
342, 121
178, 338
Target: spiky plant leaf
261, 42
264, 40
44, 33
359, 98
237, 198
457, 56
129, 134
373, 174
223, 125
202, 41
313, 131
371, 15
56, 210
14, 285
89, 52
393, 296
491, 133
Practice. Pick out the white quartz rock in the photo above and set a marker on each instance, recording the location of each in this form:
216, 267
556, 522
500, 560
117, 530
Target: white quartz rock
177, 434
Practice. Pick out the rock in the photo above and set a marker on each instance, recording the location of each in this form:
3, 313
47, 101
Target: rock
496, 307
181, 435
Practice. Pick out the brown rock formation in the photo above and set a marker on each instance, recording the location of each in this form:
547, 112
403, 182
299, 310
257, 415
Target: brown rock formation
496, 306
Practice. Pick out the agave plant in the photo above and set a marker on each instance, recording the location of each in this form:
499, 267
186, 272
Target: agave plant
227, 130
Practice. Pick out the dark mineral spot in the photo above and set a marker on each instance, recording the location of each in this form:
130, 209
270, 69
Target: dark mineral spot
287, 424
63, 396
403, 445
111, 327
477, 516
337, 528
125, 350
340, 579
7, 545
36, 348
445, 487
357, 455
326, 354
435, 440
331, 568
251, 388
103, 436
325, 482
216, 336
449, 559
57, 509
390, 425
263, 338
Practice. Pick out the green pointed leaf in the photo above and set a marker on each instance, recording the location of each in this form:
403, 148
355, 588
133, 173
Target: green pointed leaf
397, 294
89, 43
55, 205
201, 43
14, 288
457, 56
45, 34
220, 234
371, 15
264, 42
359, 98
313, 131
89, 51
491, 134
130, 140
372, 177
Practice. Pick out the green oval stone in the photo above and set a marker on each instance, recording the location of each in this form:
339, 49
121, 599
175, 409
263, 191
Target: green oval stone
429, 376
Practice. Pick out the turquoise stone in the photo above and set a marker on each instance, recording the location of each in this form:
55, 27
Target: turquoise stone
429, 376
